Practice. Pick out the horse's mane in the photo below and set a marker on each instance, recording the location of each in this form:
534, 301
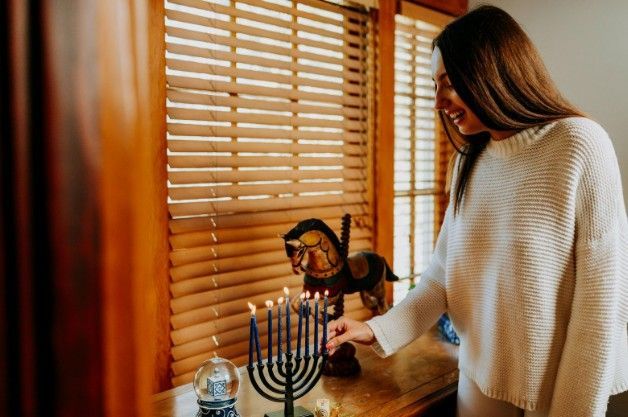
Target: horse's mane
313, 224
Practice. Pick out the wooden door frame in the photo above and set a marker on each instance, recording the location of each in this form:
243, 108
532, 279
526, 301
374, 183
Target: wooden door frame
135, 217
83, 232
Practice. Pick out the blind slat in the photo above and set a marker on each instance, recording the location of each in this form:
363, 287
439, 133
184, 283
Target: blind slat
414, 31
256, 90
267, 204
262, 147
262, 74
183, 96
181, 129
202, 161
254, 219
264, 119
336, 8
199, 176
190, 193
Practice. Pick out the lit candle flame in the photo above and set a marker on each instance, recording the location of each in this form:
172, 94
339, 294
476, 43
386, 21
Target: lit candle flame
307, 295
252, 307
302, 296
269, 304
316, 296
285, 291
280, 300
326, 293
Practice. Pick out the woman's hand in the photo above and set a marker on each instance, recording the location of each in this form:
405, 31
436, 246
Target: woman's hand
345, 330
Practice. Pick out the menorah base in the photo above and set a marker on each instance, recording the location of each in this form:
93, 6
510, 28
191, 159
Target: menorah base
298, 412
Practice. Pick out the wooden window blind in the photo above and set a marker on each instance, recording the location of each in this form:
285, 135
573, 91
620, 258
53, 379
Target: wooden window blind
268, 113
421, 151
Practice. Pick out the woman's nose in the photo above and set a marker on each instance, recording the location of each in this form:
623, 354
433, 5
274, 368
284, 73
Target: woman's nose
440, 102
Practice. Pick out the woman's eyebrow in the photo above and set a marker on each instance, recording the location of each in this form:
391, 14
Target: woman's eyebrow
442, 75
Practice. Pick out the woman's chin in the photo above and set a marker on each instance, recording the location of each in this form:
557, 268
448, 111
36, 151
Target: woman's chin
467, 131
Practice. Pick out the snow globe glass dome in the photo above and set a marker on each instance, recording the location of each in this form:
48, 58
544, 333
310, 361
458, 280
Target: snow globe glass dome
216, 384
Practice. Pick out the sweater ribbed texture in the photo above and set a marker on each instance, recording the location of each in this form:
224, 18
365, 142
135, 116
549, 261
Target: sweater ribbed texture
533, 271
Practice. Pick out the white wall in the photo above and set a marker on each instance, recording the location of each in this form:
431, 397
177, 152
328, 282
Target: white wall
585, 47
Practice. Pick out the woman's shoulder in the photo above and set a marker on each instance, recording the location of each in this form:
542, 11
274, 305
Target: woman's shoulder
582, 136
578, 128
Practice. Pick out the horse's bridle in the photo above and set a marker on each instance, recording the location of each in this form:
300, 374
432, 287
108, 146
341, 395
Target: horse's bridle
322, 274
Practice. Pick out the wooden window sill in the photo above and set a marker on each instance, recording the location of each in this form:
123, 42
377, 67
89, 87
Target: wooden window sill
409, 383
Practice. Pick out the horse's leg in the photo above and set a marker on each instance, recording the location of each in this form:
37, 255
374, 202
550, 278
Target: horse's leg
375, 298
380, 296
369, 301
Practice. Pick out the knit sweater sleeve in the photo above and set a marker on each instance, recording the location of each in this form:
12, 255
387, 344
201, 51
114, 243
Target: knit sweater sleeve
586, 368
421, 308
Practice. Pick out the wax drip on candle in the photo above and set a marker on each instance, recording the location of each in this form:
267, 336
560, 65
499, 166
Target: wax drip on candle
307, 323
269, 306
325, 322
288, 327
316, 298
279, 335
300, 327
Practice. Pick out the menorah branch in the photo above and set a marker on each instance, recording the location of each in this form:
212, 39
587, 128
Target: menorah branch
270, 387
263, 393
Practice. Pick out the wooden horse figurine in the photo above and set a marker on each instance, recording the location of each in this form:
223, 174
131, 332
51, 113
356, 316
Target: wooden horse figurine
313, 248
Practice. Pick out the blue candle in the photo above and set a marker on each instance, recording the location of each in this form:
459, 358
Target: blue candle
307, 323
258, 345
316, 349
279, 347
256, 337
325, 322
269, 305
288, 337
300, 330
251, 338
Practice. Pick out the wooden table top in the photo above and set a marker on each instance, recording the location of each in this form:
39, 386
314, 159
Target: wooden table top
402, 385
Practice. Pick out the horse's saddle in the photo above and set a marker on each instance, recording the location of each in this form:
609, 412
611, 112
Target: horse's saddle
360, 272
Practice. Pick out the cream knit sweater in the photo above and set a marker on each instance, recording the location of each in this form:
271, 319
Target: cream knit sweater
533, 271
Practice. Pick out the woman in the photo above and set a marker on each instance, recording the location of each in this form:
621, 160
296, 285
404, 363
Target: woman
532, 259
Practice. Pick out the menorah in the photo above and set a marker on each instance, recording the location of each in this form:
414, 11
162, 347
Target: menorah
291, 376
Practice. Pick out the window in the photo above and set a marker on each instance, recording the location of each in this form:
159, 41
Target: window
421, 149
268, 108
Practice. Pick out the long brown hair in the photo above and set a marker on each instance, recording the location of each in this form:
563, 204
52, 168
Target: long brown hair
498, 73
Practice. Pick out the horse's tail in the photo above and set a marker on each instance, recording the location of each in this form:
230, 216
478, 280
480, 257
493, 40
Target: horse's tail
390, 276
